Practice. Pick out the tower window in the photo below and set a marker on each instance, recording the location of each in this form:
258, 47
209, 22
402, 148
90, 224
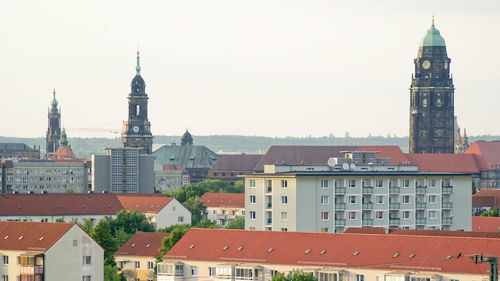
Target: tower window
137, 110
424, 102
438, 102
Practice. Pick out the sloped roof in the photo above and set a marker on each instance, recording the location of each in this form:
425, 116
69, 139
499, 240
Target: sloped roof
392, 252
487, 154
176, 167
483, 201
59, 204
64, 152
191, 157
144, 203
486, 224
142, 244
444, 162
12, 147
217, 200
236, 162
492, 193
393, 152
31, 236
423, 232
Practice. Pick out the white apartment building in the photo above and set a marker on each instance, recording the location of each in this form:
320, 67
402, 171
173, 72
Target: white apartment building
48, 251
357, 191
223, 255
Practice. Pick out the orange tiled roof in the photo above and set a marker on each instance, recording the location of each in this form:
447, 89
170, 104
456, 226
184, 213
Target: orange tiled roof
144, 244
482, 194
378, 251
231, 200
486, 224
31, 236
487, 154
424, 232
64, 152
144, 203
444, 162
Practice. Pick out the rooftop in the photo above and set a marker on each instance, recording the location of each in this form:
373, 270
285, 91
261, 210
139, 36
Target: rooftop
486, 224
144, 204
236, 162
217, 200
143, 244
31, 236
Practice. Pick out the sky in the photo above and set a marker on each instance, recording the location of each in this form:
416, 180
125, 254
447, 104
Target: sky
233, 67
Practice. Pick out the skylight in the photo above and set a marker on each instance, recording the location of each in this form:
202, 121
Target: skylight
133, 244
6, 237
226, 247
148, 245
323, 252
191, 246
308, 251
395, 255
240, 248
270, 250
21, 237
412, 256
41, 238
356, 253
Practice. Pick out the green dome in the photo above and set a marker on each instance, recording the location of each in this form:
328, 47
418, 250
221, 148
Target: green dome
432, 38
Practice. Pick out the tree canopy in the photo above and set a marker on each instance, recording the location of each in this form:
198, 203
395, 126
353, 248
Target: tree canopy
296, 275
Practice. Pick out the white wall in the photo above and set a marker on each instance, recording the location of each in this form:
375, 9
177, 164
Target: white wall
170, 214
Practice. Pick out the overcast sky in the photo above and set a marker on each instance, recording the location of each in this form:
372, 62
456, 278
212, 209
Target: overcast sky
254, 67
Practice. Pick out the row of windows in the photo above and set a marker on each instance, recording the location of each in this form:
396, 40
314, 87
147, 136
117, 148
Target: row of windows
364, 183
253, 199
137, 264
352, 199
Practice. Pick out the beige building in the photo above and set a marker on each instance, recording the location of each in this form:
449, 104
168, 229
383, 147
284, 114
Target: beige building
49, 251
359, 190
223, 208
137, 258
217, 254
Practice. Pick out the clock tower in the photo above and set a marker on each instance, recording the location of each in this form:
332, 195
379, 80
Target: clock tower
431, 98
137, 129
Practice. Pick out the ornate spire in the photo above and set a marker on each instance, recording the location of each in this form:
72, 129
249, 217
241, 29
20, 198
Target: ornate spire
138, 67
433, 19
64, 138
54, 101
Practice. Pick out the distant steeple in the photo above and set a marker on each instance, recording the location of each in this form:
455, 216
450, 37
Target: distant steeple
138, 66
187, 139
64, 138
54, 101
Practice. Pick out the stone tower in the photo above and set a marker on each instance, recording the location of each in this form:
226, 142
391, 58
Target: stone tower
187, 139
137, 129
54, 128
431, 98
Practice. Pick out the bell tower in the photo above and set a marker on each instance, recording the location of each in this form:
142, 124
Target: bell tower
137, 129
432, 97
54, 127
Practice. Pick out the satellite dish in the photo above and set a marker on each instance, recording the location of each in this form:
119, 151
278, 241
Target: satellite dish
332, 162
353, 166
345, 166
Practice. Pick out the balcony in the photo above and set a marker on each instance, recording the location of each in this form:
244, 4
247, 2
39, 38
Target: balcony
269, 205
447, 205
394, 190
30, 270
420, 205
221, 216
394, 222
367, 222
394, 206
447, 221
339, 206
447, 189
367, 206
421, 190
340, 190
420, 221
269, 189
367, 190
340, 222
269, 221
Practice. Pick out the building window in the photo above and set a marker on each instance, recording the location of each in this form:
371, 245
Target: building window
379, 183
194, 271
252, 199
215, 174
379, 215
274, 272
284, 229
352, 199
5, 259
284, 216
180, 219
406, 214
432, 183
324, 183
211, 271
151, 265
324, 200
252, 183
406, 199
86, 278
284, 183
87, 260
380, 199
324, 216
137, 264
360, 277
352, 183
432, 214
352, 215
284, 200
406, 183
252, 215
438, 102
324, 229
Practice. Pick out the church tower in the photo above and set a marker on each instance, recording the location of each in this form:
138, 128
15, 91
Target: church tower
54, 127
431, 97
137, 129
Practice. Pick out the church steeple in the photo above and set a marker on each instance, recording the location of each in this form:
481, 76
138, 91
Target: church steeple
54, 126
138, 66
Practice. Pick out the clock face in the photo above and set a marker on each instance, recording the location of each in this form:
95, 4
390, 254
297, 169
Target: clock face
426, 64
135, 129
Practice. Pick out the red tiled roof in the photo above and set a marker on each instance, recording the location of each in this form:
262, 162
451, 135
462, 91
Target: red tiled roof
392, 252
483, 201
444, 162
176, 167
216, 200
144, 244
31, 236
237, 162
144, 203
487, 154
392, 152
484, 193
486, 224
423, 232
59, 204
64, 152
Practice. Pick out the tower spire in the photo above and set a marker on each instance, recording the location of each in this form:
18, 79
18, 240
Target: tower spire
138, 67
432, 19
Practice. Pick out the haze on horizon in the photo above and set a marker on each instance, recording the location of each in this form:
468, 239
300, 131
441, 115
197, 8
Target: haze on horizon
261, 67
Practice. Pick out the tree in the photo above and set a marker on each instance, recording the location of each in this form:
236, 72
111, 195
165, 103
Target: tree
87, 225
130, 222
60, 219
238, 223
296, 275
70, 190
101, 233
122, 237
491, 213
111, 274
206, 223
198, 189
197, 209
175, 235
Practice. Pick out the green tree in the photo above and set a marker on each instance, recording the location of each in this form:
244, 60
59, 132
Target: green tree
101, 233
198, 189
197, 209
175, 235
296, 275
122, 237
87, 225
111, 274
491, 213
206, 223
70, 190
130, 222
238, 223
60, 219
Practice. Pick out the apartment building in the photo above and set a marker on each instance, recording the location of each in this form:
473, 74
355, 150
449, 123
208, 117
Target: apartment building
48, 251
170, 177
223, 208
218, 254
358, 190
137, 258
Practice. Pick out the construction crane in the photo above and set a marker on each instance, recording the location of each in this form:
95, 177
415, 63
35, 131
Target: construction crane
94, 130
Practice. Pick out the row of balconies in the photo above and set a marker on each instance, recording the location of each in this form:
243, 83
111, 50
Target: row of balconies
392, 190
394, 221
393, 206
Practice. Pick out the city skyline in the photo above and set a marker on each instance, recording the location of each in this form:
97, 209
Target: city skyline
269, 68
